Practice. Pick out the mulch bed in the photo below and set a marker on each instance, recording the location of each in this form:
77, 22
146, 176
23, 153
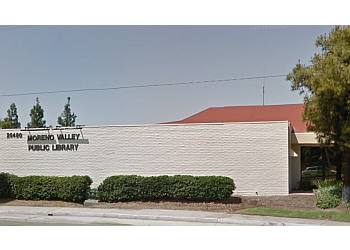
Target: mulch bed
39, 203
233, 205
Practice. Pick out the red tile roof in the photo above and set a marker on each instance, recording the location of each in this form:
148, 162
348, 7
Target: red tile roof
287, 112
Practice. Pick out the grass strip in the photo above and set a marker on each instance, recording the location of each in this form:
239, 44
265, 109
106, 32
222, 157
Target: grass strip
320, 215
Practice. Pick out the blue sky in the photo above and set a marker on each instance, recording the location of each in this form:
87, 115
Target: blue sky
56, 58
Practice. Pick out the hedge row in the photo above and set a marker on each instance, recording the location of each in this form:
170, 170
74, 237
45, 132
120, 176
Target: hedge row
74, 188
117, 188
178, 187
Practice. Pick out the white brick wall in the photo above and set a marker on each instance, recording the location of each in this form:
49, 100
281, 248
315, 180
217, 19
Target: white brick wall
255, 155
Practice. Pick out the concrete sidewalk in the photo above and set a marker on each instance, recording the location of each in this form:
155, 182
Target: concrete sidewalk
96, 216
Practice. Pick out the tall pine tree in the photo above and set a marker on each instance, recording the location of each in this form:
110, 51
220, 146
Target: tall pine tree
37, 116
67, 118
11, 121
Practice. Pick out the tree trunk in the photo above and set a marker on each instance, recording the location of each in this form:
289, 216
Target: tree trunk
323, 158
338, 164
346, 183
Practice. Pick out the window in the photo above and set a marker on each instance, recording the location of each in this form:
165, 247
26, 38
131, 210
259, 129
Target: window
316, 164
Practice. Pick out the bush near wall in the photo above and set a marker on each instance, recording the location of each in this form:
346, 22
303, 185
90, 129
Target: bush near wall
5, 185
178, 187
74, 188
328, 194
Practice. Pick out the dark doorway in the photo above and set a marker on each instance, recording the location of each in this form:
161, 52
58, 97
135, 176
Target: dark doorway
317, 163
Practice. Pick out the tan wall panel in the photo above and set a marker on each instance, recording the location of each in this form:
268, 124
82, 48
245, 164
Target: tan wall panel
255, 155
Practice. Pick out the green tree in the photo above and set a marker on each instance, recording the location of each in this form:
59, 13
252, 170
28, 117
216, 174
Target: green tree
325, 84
67, 118
11, 121
37, 116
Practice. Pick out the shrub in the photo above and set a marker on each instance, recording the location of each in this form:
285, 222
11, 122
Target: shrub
178, 187
92, 194
74, 188
5, 185
120, 188
328, 194
328, 183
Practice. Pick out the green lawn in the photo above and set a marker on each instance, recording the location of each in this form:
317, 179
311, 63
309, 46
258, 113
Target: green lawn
321, 215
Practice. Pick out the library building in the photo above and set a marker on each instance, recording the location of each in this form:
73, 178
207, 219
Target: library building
267, 150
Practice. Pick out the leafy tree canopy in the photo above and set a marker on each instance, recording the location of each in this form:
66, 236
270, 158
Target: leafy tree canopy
325, 84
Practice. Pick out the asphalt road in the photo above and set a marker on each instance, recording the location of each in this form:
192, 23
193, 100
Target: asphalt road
67, 216
31, 223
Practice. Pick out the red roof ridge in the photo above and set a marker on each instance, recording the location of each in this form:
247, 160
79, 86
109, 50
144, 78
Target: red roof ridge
250, 113
257, 105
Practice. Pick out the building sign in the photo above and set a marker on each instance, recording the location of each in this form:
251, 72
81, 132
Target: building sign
59, 141
14, 135
53, 147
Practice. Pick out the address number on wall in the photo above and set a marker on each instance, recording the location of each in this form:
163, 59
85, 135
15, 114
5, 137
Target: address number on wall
14, 135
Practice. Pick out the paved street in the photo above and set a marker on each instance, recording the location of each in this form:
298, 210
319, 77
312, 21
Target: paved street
24, 215
14, 222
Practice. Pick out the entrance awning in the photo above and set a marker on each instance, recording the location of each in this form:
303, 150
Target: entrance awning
305, 139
